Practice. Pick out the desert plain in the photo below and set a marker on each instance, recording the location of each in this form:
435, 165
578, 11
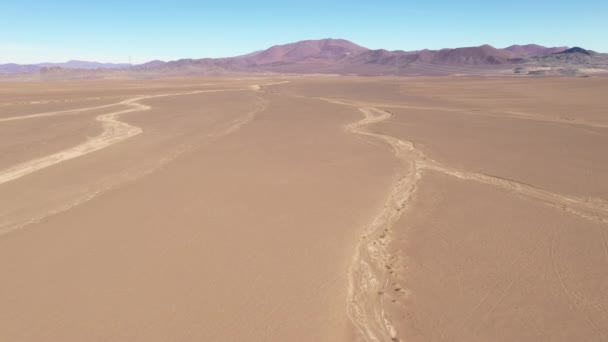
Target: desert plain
304, 208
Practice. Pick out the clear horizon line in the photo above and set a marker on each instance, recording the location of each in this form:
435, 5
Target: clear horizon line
126, 62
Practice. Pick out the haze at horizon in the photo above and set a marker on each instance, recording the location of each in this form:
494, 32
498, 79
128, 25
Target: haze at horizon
112, 31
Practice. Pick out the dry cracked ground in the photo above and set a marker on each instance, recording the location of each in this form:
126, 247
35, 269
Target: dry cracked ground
304, 209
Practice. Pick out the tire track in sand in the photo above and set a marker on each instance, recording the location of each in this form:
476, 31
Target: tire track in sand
368, 278
59, 112
593, 209
114, 131
368, 273
128, 131
509, 114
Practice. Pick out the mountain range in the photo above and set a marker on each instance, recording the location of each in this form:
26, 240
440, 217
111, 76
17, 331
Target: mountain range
11, 68
339, 56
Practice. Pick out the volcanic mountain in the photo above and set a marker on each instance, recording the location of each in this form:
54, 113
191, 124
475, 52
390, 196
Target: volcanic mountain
534, 50
324, 49
484, 54
575, 57
577, 49
339, 56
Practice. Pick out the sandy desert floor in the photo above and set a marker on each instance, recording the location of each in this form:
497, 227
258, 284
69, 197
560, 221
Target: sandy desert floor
304, 209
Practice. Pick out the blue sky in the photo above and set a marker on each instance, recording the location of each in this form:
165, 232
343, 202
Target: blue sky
110, 31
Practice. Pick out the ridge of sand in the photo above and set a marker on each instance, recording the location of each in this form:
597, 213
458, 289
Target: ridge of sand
368, 272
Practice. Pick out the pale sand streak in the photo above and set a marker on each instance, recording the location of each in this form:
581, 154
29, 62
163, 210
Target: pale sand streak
60, 112
114, 131
501, 114
229, 128
236, 124
364, 304
591, 209
368, 278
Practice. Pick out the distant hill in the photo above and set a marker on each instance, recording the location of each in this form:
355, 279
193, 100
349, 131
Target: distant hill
530, 50
307, 52
324, 49
577, 50
151, 64
484, 54
13, 68
575, 57
339, 56
342, 57
84, 65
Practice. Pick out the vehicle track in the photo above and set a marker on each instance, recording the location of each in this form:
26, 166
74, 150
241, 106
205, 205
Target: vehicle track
367, 279
575, 300
590, 209
368, 274
237, 123
114, 131
59, 112
500, 114
117, 132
